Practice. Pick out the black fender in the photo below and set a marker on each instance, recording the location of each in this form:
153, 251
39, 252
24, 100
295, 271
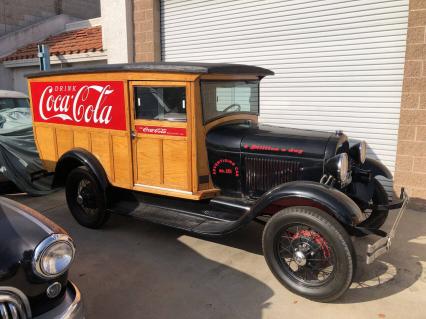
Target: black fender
376, 168
75, 158
314, 194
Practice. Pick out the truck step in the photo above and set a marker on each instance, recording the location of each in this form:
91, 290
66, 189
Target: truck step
201, 217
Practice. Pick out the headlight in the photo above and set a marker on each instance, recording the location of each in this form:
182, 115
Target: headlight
359, 152
338, 167
53, 256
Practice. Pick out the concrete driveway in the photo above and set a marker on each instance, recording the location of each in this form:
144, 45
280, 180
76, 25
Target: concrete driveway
134, 269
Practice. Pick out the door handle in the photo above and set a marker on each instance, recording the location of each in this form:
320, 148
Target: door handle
132, 135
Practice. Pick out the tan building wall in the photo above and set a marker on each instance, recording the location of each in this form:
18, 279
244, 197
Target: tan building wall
411, 154
15, 14
147, 37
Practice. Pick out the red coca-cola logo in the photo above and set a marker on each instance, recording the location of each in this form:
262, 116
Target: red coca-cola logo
97, 104
155, 130
161, 130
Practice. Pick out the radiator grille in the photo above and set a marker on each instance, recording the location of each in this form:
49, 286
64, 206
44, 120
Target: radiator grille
11, 306
264, 173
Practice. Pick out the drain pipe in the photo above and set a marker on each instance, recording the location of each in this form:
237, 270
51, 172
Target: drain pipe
44, 57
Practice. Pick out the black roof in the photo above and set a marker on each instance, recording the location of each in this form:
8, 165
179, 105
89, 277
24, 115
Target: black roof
170, 67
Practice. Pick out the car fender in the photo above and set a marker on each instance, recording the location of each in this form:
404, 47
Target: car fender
314, 194
75, 158
376, 168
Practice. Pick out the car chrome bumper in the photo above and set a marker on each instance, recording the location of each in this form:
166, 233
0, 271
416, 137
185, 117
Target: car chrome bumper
383, 245
70, 308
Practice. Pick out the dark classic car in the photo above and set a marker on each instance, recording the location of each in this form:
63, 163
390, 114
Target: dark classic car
35, 255
180, 144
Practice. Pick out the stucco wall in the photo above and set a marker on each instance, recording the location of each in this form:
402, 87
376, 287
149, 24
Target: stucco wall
117, 30
20, 83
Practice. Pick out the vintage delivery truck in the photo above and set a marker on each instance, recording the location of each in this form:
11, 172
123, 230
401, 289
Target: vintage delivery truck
180, 144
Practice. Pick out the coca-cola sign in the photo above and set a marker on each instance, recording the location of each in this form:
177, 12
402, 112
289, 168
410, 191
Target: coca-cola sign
160, 130
97, 104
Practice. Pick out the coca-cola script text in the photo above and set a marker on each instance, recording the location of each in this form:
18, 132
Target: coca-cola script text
97, 104
160, 130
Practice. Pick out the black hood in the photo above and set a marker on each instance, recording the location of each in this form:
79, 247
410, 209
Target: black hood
21, 229
267, 139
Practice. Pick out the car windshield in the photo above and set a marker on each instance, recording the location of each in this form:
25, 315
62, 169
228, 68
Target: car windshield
222, 98
11, 103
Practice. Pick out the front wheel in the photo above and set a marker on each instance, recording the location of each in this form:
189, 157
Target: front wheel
375, 219
85, 198
309, 252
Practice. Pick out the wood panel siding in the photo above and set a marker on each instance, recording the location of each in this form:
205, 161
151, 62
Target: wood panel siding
161, 164
149, 168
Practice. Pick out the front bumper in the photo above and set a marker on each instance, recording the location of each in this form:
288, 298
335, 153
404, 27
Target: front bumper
383, 245
70, 308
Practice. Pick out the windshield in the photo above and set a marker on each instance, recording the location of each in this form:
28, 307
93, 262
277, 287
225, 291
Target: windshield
11, 103
222, 98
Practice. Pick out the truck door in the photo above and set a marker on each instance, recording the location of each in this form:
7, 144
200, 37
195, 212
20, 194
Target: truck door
161, 144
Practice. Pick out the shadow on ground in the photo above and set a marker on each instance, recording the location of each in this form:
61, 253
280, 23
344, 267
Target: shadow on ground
389, 275
134, 269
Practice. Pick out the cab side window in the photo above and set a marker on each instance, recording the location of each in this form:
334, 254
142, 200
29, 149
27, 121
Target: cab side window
160, 103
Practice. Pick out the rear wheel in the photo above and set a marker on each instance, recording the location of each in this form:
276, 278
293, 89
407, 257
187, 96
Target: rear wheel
309, 252
85, 198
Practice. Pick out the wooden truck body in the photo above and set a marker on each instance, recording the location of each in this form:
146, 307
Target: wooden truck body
95, 110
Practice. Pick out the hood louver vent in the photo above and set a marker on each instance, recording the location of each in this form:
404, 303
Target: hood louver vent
264, 173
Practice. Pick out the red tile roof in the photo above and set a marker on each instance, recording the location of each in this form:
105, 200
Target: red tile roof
70, 42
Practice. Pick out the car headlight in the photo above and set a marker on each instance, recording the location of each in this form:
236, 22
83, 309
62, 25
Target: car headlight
359, 152
338, 167
53, 256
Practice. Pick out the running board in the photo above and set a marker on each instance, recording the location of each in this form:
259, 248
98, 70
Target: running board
203, 217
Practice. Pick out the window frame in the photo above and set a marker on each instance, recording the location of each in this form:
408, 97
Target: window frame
149, 84
206, 121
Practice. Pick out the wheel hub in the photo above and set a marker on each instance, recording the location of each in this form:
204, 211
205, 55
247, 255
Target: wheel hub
311, 244
85, 195
300, 258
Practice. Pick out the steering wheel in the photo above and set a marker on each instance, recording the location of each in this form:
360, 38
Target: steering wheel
231, 106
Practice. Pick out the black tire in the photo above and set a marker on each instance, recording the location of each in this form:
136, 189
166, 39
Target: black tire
332, 235
85, 198
377, 218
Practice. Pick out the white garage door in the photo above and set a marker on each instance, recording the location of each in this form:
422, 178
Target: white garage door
339, 63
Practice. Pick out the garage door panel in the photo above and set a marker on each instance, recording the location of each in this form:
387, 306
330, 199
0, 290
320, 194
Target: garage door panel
238, 11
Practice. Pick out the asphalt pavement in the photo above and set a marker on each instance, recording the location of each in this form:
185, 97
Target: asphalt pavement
135, 269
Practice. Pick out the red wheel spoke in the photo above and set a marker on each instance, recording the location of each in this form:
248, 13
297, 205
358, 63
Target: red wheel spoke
306, 254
